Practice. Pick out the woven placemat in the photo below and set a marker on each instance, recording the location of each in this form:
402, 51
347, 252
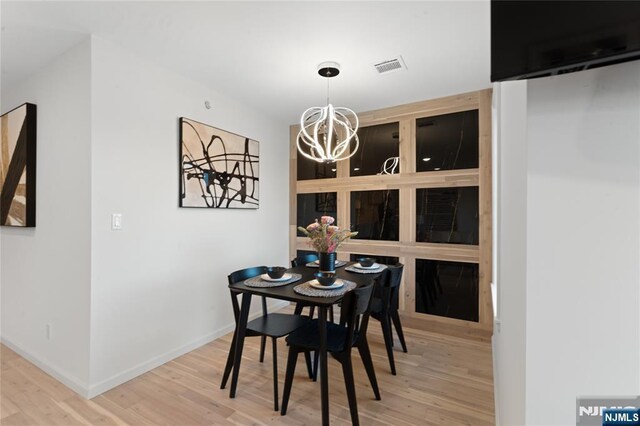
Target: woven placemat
352, 268
339, 264
307, 290
259, 282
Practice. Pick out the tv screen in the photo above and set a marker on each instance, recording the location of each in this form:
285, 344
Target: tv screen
539, 38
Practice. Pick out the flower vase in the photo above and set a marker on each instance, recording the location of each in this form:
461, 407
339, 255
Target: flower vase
327, 262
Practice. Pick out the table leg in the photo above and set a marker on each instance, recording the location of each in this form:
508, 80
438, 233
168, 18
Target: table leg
324, 377
240, 333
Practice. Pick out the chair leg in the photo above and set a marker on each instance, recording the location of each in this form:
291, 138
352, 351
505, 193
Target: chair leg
396, 323
386, 332
365, 355
229, 366
263, 343
288, 380
331, 314
275, 374
298, 310
316, 359
307, 358
312, 309
347, 370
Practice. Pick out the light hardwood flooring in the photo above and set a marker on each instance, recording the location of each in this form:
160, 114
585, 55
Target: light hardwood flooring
443, 380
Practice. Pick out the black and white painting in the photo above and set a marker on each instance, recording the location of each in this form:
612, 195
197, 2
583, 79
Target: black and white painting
18, 167
218, 169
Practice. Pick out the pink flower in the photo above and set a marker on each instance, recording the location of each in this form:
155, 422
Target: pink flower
327, 220
332, 229
313, 227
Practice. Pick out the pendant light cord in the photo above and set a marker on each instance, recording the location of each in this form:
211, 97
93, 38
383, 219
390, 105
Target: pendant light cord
328, 77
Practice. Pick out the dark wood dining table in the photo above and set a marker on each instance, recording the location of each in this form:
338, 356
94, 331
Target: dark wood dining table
286, 293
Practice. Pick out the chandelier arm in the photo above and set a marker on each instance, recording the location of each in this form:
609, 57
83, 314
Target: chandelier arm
309, 116
341, 147
302, 151
354, 149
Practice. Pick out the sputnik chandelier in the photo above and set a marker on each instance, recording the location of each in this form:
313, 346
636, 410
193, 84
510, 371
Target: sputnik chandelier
328, 134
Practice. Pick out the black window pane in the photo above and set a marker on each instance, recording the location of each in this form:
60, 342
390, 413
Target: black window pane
447, 289
309, 169
377, 145
313, 206
447, 142
385, 260
447, 215
374, 214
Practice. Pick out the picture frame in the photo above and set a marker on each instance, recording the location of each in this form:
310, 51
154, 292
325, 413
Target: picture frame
18, 129
218, 169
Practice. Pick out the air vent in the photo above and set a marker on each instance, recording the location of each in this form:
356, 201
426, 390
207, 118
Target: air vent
390, 65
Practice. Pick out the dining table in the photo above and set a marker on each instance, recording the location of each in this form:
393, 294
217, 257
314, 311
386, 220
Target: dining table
287, 293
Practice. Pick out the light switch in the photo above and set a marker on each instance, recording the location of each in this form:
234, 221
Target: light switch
116, 221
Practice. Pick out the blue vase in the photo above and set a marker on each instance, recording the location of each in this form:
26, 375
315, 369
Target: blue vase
327, 262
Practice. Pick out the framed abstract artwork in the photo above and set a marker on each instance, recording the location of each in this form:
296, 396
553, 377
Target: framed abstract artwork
18, 167
218, 169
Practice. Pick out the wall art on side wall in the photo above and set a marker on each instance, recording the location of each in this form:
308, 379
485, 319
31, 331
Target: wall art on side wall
218, 169
18, 167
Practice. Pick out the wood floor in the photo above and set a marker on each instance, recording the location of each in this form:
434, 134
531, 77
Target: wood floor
441, 381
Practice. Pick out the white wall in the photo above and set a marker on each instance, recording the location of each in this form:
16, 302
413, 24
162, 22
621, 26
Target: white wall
159, 285
45, 271
509, 343
583, 240
582, 245
122, 302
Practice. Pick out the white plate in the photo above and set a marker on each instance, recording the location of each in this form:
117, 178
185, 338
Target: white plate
359, 266
275, 280
315, 284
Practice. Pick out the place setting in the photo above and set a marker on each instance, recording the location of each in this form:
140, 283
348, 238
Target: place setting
366, 265
276, 276
325, 284
316, 264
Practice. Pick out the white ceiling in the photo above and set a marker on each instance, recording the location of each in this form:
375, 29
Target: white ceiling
266, 53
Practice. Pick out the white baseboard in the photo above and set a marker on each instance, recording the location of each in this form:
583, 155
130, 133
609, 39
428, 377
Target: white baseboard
57, 373
157, 361
131, 373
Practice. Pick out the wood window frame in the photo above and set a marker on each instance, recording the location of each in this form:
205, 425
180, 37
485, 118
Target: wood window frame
407, 181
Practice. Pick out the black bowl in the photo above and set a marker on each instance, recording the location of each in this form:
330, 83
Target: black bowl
325, 278
276, 272
366, 261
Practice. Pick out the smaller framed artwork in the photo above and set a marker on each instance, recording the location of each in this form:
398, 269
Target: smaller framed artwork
218, 169
18, 167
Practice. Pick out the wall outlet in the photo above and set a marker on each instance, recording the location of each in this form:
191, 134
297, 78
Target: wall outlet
47, 331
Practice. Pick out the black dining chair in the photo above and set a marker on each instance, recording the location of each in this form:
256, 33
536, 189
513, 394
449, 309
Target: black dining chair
341, 338
301, 261
272, 325
384, 308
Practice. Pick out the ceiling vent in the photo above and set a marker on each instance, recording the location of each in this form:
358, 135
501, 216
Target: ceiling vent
390, 65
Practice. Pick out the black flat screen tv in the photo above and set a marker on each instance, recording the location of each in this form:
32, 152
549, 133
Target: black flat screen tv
532, 39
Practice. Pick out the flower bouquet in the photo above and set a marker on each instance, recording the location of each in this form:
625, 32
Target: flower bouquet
325, 238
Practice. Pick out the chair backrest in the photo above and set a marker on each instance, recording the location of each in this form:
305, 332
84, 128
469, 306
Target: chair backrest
304, 259
354, 313
242, 275
246, 273
389, 286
